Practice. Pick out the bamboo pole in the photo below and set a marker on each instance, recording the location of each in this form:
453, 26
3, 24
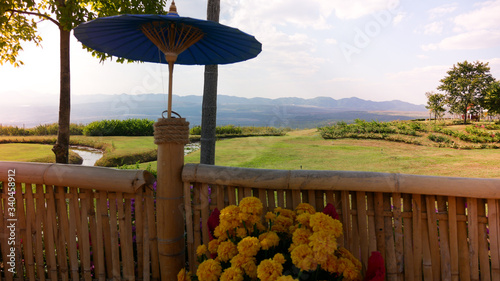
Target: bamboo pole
342, 180
170, 135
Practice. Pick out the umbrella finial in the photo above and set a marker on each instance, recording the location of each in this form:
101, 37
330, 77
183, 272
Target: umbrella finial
173, 8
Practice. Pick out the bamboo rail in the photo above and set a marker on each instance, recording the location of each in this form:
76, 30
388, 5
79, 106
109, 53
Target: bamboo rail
77, 223
426, 227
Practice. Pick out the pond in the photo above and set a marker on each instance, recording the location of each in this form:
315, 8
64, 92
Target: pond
91, 155
88, 154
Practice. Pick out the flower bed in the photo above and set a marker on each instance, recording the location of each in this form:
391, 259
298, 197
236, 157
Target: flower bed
284, 245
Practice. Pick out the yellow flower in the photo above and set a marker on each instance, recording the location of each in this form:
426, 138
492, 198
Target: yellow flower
302, 257
330, 264
304, 219
282, 223
246, 263
285, 212
251, 205
270, 217
232, 274
201, 250
348, 255
279, 258
268, 240
304, 208
229, 217
323, 222
250, 268
286, 278
269, 270
184, 275
348, 269
209, 270
227, 250
241, 232
322, 244
301, 236
213, 246
249, 246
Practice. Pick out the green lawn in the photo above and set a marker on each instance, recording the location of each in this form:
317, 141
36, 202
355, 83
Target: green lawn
25, 152
302, 150
307, 150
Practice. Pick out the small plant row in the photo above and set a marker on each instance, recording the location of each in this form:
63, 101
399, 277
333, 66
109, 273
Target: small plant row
40, 130
231, 130
362, 127
128, 127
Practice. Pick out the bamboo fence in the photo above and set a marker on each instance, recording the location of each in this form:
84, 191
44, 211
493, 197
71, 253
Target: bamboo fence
77, 223
426, 228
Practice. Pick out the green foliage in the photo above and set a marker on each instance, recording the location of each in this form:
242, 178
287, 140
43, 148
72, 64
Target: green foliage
40, 130
465, 86
129, 127
438, 138
436, 103
362, 127
232, 131
492, 99
18, 20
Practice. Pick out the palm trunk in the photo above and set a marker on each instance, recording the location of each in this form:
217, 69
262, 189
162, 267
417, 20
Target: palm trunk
209, 106
61, 147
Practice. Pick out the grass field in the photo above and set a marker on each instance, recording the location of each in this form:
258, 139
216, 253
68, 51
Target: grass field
304, 149
30, 152
307, 150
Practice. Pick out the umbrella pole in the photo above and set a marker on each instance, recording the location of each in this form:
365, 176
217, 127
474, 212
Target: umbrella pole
170, 78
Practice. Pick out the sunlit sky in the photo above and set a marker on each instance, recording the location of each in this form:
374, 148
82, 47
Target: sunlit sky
376, 50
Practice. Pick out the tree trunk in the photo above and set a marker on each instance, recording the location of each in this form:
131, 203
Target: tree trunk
209, 106
61, 147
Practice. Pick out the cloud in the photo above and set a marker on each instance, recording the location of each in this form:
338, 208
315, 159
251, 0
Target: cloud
440, 11
477, 29
485, 17
357, 8
433, 28
331, 41
473, 40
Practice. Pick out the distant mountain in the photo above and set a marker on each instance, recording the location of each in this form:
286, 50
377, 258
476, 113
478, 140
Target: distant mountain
284, 112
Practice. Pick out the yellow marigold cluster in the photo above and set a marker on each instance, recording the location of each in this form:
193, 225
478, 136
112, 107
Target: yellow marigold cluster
226, 251
249, 246
303, 258
232, 274
184, 275
304, 208
320, 221
241, 241
271, 269
209, 270
201, 250
268, 240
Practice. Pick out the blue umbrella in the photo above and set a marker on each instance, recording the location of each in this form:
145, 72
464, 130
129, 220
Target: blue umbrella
182, 40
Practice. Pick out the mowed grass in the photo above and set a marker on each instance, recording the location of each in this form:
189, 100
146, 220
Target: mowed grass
303, 149
307, 150
25, 152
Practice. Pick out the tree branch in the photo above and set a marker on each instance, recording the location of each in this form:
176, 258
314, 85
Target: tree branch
35, 14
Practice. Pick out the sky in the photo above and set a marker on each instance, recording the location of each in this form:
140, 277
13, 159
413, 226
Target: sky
377, 50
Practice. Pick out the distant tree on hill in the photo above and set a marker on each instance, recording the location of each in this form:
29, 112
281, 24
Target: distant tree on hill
436, 103
491, 100
18, 24
465, 86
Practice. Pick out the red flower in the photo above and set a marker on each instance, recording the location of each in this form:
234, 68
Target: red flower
212, 223
376, 268
330, 210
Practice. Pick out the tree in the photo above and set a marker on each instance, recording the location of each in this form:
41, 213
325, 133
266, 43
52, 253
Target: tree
465, 86
436, 103
492, 99
18, 24
209, 106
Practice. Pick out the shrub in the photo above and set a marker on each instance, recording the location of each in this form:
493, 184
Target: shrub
129, 127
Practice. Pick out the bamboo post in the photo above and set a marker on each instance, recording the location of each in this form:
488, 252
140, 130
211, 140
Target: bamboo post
170, 135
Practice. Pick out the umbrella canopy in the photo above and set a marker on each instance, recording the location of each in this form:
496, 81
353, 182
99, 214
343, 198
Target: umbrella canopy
182, 40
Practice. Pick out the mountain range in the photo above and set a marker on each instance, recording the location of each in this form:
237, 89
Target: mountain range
281, 112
